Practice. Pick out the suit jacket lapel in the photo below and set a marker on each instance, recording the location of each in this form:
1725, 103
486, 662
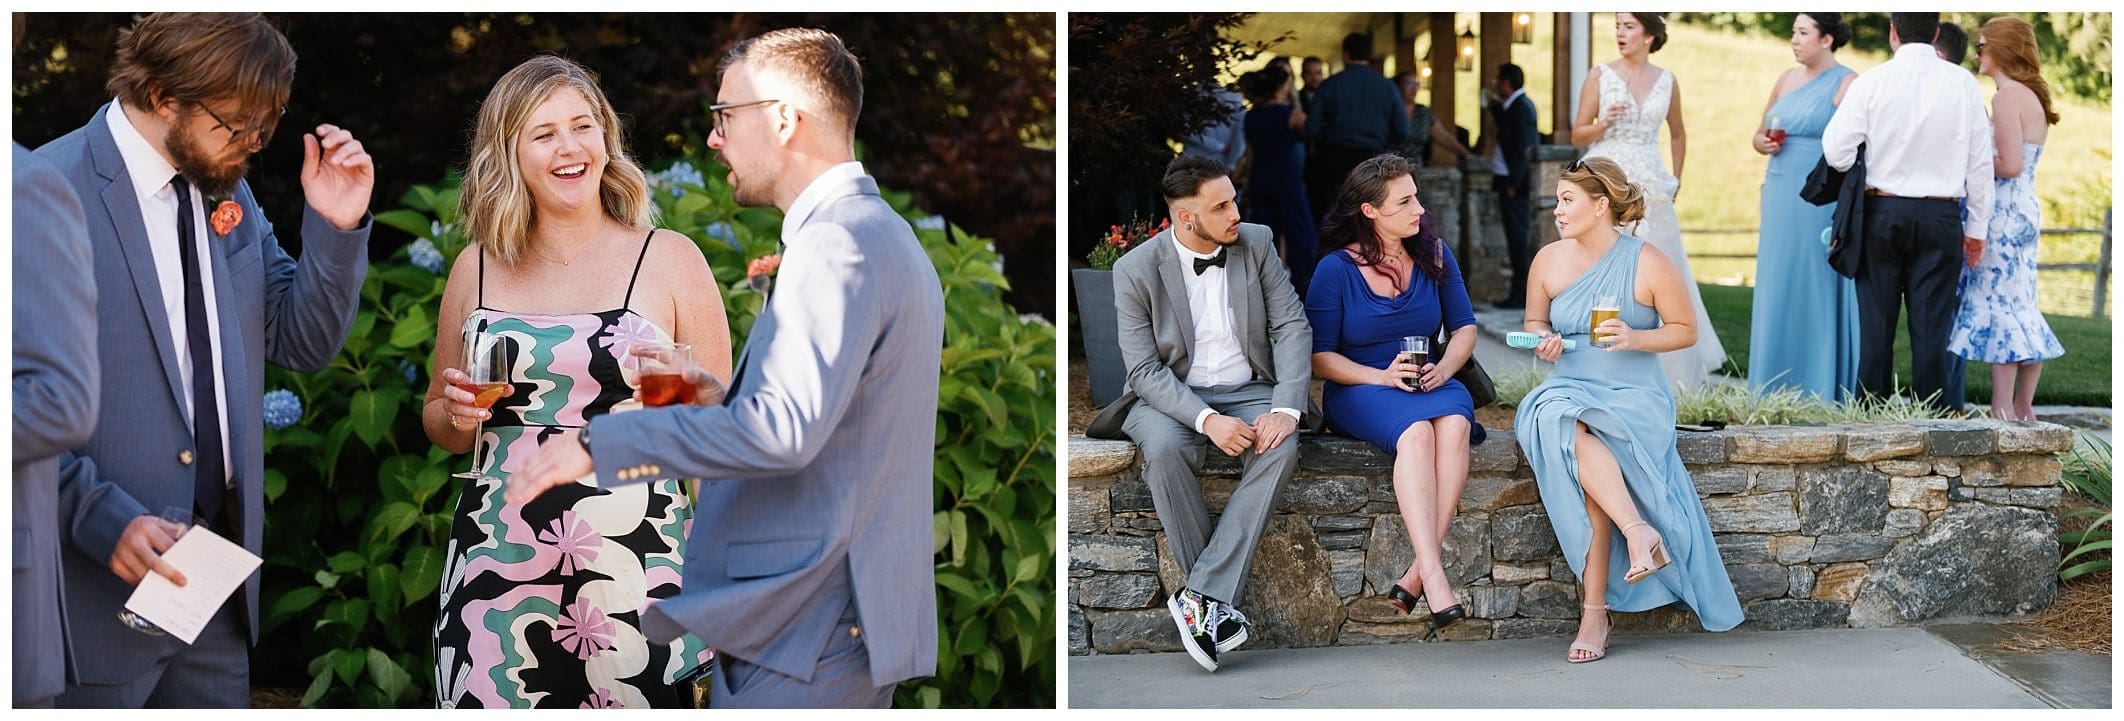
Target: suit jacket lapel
234, 363
1169, 275
1239, 289
122, 208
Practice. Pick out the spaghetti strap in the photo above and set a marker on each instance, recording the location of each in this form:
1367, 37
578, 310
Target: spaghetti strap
480, 290
628, 302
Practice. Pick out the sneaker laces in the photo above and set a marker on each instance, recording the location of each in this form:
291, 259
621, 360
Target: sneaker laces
1232, 612
1214, 618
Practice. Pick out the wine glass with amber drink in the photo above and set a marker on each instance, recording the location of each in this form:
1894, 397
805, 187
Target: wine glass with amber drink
487, 360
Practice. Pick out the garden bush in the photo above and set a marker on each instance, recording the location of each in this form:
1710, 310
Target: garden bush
359, 503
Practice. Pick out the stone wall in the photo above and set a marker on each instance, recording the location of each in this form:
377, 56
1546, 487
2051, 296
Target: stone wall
1819, 526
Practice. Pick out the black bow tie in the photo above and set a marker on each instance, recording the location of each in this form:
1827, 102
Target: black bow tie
1202, 264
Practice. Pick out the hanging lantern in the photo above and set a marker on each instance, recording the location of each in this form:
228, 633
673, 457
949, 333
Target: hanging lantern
1523, 28
1424, 72
1466, 61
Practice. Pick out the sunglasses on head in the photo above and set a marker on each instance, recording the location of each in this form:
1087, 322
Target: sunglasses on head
1574, 166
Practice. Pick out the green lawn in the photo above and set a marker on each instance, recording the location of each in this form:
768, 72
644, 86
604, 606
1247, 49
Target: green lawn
2080, 378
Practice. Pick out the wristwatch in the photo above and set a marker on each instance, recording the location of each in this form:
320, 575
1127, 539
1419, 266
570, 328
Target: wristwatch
583, 437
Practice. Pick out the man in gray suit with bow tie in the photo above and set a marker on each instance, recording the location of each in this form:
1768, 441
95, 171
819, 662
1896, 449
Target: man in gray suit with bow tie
809, 568
192, 301
1217, 348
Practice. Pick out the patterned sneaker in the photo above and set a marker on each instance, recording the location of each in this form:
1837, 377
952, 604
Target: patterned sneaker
1230, 625
1191, 614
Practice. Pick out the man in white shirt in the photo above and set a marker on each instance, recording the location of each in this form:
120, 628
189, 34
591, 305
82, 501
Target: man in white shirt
1928, 156
194, 297
1217, 349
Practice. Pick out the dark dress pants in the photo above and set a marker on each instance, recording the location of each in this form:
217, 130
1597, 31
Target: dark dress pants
1913, 259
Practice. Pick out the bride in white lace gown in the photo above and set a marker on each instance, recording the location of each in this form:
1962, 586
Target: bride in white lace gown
1620, 109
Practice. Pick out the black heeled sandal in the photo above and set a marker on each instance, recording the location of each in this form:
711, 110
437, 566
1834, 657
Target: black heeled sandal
1403, 599
1442, 620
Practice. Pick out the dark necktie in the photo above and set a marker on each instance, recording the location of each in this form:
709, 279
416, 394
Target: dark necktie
1202, 264
210, 479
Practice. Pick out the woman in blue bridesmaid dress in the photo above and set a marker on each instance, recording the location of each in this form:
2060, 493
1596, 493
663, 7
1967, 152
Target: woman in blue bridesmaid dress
1805, 330
1599, 432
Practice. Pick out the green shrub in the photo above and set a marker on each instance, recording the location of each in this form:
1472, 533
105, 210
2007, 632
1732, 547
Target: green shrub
1734, 404
2087, 473
354, 546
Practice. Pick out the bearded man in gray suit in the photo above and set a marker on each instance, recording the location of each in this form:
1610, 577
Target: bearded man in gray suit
1217, 348
192, 301
809, 568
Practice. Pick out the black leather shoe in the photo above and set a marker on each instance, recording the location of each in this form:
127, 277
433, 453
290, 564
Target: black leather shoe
1442, 620
1403, 599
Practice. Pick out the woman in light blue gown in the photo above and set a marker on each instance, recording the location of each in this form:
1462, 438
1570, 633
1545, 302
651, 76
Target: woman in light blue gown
1805, 332
1599, 432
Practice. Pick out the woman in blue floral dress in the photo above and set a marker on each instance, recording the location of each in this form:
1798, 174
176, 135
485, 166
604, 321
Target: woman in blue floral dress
1999, 321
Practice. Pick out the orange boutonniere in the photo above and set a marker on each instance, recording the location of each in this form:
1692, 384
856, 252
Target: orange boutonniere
759, 270
226, 216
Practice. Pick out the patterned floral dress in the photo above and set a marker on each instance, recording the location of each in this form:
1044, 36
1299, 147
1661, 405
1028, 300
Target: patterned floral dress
542, 602
1998, 321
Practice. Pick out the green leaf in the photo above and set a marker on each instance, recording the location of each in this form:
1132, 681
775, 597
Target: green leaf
347, 663
319, 683
295, 601
276, 483
959, 585
372, 413
422, 574
413, 329
1029, 568
412, 222
387, 676
393, 519
346, 562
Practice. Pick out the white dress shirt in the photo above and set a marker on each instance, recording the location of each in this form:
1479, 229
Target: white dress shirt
151, 176
1218, 359
1926, 134
814, 194
1497, 158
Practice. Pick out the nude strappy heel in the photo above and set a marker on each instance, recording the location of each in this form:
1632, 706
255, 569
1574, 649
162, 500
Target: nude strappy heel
1659, 556
1599, 652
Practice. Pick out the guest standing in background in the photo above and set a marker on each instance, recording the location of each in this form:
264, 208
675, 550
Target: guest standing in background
1999, 321
1952, 45
1358, 115
1275, 130
1512, 162
1311, 72
1426, 135
1620, 109
1225, 139
1805, 322
1928, 146
1392, 277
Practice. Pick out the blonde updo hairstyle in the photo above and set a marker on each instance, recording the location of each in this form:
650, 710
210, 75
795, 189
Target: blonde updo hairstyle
497, 203
1602, 178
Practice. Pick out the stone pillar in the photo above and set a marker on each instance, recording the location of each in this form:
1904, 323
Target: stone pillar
1485, 264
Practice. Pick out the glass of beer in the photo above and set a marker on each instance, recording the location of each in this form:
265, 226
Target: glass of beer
1415, 350
487, 360
662, 375
1605, 308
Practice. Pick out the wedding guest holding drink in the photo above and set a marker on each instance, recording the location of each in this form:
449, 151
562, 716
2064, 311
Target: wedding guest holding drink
194, 296
1599, 431
1999, 321
1620, 109
1805, 330
1390, 285
569, 296
815, 586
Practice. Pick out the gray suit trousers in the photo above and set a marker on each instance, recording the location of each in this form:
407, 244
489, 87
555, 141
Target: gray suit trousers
841, 679
213, 672
1215, 561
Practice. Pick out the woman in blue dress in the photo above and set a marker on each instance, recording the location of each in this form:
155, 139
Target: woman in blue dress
1999, 321
1599, 432
1390, 276
1805, 332
1275, 187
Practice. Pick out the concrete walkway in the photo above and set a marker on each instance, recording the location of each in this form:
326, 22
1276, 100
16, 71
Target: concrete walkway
1836, 668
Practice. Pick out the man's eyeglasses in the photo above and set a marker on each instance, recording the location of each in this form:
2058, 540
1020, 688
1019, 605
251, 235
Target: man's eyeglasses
255, 136
719, 114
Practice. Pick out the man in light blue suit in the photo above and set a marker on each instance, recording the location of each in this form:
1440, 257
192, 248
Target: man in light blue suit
194, 296
55, 408
809, 569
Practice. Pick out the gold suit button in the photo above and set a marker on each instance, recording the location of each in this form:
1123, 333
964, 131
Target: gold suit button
185, 457
855, 631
